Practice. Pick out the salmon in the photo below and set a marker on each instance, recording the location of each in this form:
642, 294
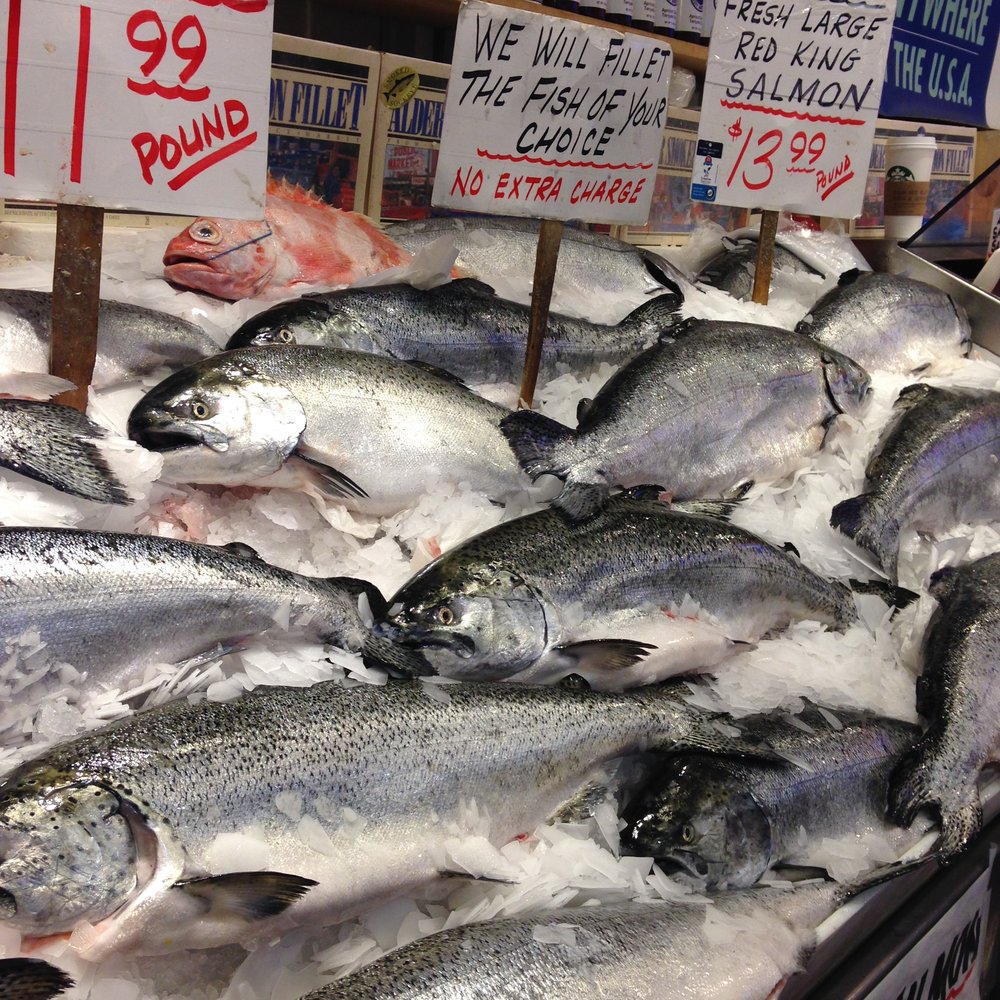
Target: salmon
301, 241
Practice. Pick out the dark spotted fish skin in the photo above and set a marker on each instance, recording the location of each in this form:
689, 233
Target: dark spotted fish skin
733, 269
57, 445
888, 322
31, 979
957, 695
936, 467
619, 952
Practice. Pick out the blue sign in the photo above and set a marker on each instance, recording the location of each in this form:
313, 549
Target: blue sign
941, 57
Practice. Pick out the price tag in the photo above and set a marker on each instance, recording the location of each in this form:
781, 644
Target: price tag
157, 105
549, 118
790, 100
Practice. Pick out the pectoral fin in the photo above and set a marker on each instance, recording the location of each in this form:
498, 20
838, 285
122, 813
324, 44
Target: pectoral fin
329, 482
247, 895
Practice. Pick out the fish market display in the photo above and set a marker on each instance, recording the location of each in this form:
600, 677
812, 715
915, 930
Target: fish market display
132, 340
720, 404
935, 469
732, 270
59, 446
494, 248
300, 241
670, 951
113, 603
956, 694
462, 326
31, 979
889, 322
728, 821
540, 597
370, 431
156, 830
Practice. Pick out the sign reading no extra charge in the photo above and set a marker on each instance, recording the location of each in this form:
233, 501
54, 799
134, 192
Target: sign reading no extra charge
549, 118
156, 105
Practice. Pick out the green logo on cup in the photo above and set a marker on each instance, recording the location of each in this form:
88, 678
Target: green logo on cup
899, 173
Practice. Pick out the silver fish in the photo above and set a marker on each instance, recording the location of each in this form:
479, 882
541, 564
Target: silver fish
618, 951
341, 797
732, 270
113, 604
588, 262
528, 597
132, 340
718, 404
727, 821
462, 326
956, 695
370, 431
887, 322
57, 445
31, 979
936, 466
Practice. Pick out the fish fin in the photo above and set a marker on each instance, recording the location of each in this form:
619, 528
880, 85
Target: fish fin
912, 788
849, 277
721, 510
460, 285
789, 547
708, 736
583, 408
684, 328
32, 979
647, 492
468, 876
437, 371
910, 395
328, 481
535, 440
663, 271
241, 549
881, 875
943, 582
70, 460
580, 501
659, 314
33, 385
849, 516
400, 661
250, 895
602, 655
898, 597
581, 806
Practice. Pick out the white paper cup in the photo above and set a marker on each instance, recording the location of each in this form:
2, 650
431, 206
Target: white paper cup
908, 162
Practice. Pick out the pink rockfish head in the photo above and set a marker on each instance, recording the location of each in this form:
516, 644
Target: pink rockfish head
229, 258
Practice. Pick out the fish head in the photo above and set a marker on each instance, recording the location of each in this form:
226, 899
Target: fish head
481, 625
218, 421
847, 383
67, 852
700, 818
309, 320
230, 258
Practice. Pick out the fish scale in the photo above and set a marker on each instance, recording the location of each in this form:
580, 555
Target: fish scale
390, 772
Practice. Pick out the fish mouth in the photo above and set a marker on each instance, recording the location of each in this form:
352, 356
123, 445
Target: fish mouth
167, 436
683, 863
416, 640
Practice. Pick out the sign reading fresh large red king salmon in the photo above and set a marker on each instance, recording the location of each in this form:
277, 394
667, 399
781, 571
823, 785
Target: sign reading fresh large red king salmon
159, 105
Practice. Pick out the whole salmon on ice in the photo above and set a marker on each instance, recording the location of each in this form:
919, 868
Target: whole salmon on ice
300, 241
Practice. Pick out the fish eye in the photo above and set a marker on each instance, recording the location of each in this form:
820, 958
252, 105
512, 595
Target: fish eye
445, 615
284, 335
205, 232
200, 410
688, 834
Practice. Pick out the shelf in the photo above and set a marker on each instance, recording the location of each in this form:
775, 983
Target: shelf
443, 13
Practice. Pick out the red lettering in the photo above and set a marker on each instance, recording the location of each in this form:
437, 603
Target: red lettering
148, 151
238, 6
237, 116
501, 185
471, 183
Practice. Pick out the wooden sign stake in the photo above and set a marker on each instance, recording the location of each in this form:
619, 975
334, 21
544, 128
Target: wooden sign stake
765, 256
76, 293
546, 255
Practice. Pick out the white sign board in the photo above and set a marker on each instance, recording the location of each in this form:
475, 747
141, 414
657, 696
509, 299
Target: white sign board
948, 960
790, 101
156, 105
550, 118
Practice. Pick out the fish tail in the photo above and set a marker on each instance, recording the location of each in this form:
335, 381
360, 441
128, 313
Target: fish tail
655, 316
855, 517
538, 442
32, 979
851, 516
914, 786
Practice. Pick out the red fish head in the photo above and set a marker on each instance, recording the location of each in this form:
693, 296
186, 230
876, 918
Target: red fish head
230, 258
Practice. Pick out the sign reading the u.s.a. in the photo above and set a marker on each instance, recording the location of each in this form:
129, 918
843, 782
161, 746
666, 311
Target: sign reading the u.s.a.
791, 98
549, 118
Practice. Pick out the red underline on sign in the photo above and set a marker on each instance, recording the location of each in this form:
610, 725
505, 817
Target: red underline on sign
961, 986
801, 170
179, 180
562, 163
10, 85
152, 88
80, 97
836, 184
803, 116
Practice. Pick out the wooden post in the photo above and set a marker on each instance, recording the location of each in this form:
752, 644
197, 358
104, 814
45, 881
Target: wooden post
76, 293
765, 257
546, 255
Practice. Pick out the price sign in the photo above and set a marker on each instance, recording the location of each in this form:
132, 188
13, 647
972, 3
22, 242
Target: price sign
791, 96
549, 118
158, 105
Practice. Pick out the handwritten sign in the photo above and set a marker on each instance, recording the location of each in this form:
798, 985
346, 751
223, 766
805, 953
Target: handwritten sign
791, 97
159, 105
548, 118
